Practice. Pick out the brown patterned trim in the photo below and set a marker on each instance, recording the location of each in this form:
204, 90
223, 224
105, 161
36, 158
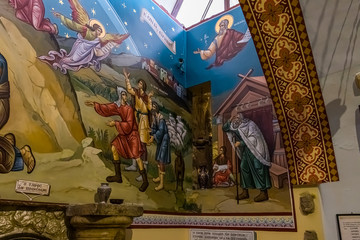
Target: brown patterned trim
282, 43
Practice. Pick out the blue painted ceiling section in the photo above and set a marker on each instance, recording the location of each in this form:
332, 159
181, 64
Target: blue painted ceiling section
225, 77
123, 16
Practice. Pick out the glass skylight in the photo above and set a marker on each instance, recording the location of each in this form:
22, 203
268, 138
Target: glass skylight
191, 12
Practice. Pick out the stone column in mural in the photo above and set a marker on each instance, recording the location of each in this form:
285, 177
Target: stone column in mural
202, 137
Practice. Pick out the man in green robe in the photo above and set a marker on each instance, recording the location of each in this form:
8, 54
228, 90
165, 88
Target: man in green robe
252, 150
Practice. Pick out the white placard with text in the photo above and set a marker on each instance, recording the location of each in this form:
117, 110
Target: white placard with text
349, 226
30, 187
207, 234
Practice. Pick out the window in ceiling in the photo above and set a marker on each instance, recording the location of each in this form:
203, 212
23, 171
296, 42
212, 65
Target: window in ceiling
190, 12
234, 2
215, 7
167, 4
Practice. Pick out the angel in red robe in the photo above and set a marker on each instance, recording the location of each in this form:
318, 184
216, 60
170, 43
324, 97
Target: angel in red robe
33, 12
127, 143
92, 45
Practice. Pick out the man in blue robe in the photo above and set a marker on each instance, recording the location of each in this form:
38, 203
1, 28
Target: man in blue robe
159, 133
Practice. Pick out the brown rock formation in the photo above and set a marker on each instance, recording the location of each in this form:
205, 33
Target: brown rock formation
44, 110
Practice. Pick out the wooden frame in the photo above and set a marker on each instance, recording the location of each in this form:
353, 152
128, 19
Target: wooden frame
348, 226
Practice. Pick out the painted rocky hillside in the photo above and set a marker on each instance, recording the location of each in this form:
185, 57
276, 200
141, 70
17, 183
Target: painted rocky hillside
44, 111
48, 113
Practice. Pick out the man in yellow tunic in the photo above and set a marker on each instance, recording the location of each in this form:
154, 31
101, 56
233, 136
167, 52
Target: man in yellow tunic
142, 109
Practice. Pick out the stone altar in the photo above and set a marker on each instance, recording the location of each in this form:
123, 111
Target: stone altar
55, 221
102, 221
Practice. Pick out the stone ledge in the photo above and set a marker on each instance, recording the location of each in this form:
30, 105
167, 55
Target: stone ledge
104, 209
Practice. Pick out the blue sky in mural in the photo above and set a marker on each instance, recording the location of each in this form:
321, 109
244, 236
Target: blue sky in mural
148, 42
101, 11
124, 17
225, 77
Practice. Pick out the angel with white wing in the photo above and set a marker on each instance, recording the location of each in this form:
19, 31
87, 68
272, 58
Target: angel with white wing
92, 45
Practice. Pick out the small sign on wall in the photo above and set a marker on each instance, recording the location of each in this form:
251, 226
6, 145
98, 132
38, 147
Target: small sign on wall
349, 226
30, 187
205, 234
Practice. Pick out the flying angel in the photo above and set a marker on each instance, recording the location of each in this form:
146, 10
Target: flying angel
92, 45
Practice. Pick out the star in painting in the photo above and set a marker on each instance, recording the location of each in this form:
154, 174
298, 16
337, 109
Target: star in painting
126, 23
61, 2
124, 6
145, 45
153, 8
173, 29
206, 38
91, 36
150, 33
127, 47
134, 10
95, 2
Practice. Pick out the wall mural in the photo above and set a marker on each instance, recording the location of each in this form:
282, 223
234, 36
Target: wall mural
12, 158
94, 92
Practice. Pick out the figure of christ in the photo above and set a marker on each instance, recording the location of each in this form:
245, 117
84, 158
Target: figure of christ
127, 143
142, 110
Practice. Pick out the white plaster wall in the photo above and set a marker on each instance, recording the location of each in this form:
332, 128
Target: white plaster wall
333, 28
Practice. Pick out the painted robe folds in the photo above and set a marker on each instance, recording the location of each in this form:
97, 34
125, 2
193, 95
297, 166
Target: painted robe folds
253, 154
127, 142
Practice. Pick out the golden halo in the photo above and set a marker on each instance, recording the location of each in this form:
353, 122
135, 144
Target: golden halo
93, 21
228, 17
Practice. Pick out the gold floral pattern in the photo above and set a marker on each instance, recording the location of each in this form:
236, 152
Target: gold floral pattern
292, 75
311, 157
286, 59
299, 108
279, 32
273, 16
298, 102
307, 143
313, 175
302, 116
295, 88
272, 12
